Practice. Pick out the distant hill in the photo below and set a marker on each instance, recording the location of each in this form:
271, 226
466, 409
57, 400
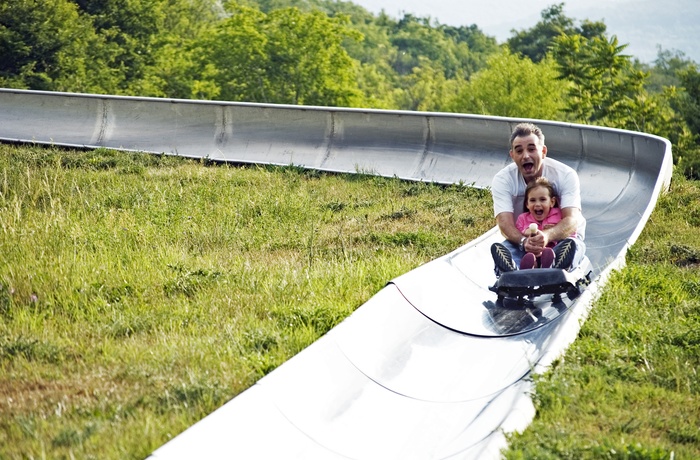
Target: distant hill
647, 24
643, 24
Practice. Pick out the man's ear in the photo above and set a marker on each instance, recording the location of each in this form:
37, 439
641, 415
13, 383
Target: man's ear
544, 151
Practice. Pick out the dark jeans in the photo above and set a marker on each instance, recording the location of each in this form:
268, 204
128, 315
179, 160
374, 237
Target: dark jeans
518, 254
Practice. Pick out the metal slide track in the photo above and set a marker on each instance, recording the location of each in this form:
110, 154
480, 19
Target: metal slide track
426, 369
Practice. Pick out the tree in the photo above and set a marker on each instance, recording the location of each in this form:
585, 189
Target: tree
233, 57
664, 72
604, 82
608, 88
286, 56
514, 86
129, 27
416, 39
48, 45
686, 102
480, 45
427, 89
689, 105
535, 42
308, 64
379, 88
119, 47
395, 54
172, 71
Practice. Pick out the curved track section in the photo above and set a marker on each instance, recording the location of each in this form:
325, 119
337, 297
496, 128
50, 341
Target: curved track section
425, 369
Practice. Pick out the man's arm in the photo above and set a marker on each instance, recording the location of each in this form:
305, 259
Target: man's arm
506, 223
564, 228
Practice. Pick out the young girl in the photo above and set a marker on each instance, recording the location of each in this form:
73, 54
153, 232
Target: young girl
541, 204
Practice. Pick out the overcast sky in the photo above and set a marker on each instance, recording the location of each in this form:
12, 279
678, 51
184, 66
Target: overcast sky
643, 24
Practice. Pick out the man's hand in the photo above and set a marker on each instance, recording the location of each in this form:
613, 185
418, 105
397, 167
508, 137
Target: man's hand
536, 243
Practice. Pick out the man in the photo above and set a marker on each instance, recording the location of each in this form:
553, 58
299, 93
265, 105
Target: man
529, 154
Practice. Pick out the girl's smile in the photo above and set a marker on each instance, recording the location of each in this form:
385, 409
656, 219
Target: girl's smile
539, 202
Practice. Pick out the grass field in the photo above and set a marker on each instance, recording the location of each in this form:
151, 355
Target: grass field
138, 293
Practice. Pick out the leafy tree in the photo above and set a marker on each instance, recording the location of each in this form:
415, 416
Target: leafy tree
535, 42
286, 56
267, 6
130, 28
427, 89
608, 88
379, 87
605, 84
689, 106
408, 53
664, 72
480, 45
686, 102
375, 47
48, 45
397, 54
172, 71
233, 57
308, 62
118, 47
416, 39
514, 86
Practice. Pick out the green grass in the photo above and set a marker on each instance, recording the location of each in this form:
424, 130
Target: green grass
628, 388
138, 293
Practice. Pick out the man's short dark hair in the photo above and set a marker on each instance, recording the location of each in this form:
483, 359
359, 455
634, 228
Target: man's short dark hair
525, 129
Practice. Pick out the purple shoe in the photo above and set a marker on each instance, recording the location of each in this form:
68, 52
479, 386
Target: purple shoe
547, 258
528, 262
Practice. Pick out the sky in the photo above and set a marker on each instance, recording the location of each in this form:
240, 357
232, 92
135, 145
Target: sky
674, 25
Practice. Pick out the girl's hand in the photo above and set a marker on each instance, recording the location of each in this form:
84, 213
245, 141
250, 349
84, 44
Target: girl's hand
535, 241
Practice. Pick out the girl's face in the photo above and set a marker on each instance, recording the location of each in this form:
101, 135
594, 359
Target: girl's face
539, 202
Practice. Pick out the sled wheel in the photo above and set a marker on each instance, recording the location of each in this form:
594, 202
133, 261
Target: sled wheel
573, 293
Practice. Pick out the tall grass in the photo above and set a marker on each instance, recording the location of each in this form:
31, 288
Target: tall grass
138, 293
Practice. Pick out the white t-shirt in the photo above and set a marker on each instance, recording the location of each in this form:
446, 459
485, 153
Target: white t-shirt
508, 189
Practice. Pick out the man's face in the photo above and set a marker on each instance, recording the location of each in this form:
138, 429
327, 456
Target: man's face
528, 154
